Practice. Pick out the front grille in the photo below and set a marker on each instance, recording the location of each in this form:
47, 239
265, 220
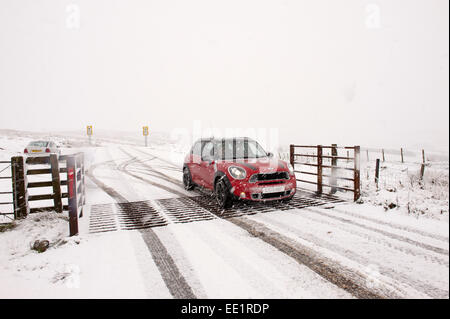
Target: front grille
271, 183
269, 176
270, 195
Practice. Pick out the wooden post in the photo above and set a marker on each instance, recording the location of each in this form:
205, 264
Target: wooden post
377, 171
319, 169
291, 154
333, 181
19, 187
382, 152
56, 183
356, 174
401, 153
80, 192
83, 182
422, 171
423, 156
72, 195
367, 153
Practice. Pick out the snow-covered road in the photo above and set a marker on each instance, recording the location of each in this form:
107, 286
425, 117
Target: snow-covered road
311, 248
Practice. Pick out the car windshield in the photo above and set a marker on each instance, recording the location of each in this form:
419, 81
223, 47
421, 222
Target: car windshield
239, 148
38, 144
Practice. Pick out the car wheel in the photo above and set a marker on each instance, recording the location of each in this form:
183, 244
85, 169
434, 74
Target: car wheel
223, 195
187, 179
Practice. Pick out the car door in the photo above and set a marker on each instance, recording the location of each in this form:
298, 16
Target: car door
194, 162
206, 167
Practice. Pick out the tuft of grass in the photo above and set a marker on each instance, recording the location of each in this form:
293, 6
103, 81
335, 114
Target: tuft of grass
8, 226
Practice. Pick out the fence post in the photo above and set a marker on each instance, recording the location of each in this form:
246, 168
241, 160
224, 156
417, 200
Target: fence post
80, 178
356, 174
401, 153
319, 169
382, 152
291, 155
83, 182
56, 183
377, 171
333, 168
422, 171
367, 153
19, 187
423, 156
72, 195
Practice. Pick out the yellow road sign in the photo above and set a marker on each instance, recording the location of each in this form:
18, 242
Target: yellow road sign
145, 130
89, 130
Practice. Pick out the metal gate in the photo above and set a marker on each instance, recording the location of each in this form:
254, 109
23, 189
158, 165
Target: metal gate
314, 160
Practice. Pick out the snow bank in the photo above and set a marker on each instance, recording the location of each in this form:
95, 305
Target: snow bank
72, 267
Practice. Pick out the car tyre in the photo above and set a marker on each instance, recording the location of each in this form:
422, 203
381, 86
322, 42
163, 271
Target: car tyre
223, 196
286, 200
187, 179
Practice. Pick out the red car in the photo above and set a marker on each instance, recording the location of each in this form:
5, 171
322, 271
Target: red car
238, 168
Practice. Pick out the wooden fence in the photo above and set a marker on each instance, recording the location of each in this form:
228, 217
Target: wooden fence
5, 193
332, 167
23, 167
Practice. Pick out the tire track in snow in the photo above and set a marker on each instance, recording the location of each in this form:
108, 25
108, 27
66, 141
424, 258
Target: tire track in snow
343, 277
161, 159
380, 240
400, 227
155, 172
419, 285
383, 232
170, 273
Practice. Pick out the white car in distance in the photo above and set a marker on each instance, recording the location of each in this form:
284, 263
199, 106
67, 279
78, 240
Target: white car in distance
42, 148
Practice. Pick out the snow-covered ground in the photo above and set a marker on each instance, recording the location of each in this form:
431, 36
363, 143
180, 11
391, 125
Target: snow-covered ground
275, 254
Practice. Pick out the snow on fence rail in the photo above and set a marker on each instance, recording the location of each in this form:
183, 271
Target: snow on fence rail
337, 172
29, 186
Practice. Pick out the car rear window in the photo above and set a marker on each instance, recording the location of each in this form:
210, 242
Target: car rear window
38, 144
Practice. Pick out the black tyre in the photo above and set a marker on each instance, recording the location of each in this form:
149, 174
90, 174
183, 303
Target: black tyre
187, 179
223, 196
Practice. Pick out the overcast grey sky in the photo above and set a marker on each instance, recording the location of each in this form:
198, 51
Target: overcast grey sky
350, 71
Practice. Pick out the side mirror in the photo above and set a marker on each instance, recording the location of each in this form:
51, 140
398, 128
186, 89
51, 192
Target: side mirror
269, 154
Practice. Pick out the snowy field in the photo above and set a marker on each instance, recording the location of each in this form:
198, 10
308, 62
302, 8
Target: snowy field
378, 249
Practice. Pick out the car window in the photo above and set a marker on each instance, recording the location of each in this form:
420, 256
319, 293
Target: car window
240, 148
38, 144
208, 151
197, 149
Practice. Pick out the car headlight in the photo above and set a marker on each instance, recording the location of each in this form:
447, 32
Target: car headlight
237, 172
291, 169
